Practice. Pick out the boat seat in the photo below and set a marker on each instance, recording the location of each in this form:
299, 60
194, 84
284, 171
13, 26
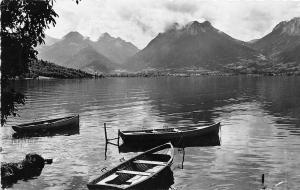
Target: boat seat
137, 179
133, 172
108, 178
150, 162
129, 133
153, 131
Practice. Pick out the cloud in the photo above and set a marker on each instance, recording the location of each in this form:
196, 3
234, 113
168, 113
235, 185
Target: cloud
144, 27
171, 26
135, 18
262, 20
139, 21
246, 20
181, 6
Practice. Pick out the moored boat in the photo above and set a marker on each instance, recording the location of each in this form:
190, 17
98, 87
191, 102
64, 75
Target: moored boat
204, 141
175, 135
136, 171
48, 125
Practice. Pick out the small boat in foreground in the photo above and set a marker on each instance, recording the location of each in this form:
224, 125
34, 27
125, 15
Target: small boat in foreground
168, 134
48, 125
136, 171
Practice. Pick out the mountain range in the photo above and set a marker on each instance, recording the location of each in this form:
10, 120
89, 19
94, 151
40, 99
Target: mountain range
76, 51
116, 49
282, 46
197, 47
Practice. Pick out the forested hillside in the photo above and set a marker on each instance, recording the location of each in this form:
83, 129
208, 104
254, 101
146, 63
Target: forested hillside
47, 69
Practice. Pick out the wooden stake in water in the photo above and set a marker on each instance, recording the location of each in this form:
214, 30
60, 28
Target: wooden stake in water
107, 140
118, 137
105, 132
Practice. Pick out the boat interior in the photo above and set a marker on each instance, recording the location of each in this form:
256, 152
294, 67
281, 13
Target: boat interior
136, 170
44, 122
179, 129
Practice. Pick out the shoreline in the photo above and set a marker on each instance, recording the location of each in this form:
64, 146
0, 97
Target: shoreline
161, 75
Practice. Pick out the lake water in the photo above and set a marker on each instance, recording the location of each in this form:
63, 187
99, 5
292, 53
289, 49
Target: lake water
260, 133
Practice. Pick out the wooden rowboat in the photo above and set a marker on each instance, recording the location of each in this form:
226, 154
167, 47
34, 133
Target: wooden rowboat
204, 141
168, 134
136, 171
48, 125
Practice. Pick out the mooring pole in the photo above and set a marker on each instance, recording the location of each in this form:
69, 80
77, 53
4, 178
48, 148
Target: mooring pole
183, 154
107, 140
118, 137
105, 132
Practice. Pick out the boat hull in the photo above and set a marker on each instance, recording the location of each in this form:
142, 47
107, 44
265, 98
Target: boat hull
48, 125
166, 136
140, 171
161, 181
204, 141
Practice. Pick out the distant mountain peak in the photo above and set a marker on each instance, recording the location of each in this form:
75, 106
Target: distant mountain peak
291, 27
198, 24
296, 19
195, 27
193, 23
193, 45
106, 34
114, 48
206, 23
105, 37
73, 36
49, 40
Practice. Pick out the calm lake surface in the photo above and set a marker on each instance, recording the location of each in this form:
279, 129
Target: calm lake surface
260, 133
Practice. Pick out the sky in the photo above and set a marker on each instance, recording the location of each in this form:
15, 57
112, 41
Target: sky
139, 21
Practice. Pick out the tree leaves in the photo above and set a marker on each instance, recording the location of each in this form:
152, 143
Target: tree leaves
23, 23
9, 107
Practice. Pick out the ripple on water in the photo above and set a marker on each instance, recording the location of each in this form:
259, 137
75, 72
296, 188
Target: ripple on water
259, 134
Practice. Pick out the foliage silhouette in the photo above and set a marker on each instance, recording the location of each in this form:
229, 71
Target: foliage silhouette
23, 23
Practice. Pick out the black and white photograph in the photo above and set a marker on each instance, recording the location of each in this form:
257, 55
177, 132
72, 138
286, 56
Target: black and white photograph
150, 94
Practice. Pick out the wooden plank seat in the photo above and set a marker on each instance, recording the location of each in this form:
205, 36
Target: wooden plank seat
108, 178
152, 131
133, 172
177, 130
138, 178
134, 132
150, 162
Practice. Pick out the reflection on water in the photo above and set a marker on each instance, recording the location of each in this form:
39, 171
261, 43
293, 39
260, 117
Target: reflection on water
9, 182
29, 168
260, 119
